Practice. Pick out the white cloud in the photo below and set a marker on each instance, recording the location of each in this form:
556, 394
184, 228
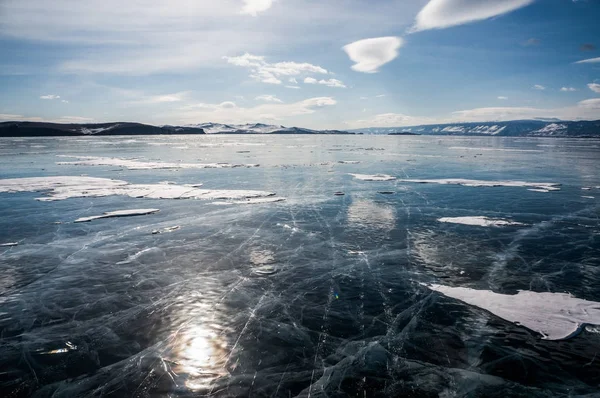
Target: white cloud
268, 98
328, 82
164, 98
593, 103
370, 54
502, 98
49, 97
253, 7
587, 109
539, 87
389, 120
440, 14
564, 89
293, 87
595, 87
227, 112
589, 61
64, 101
380, 96
263, 71
293, 80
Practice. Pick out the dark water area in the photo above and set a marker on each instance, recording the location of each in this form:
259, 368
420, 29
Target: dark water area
320, 295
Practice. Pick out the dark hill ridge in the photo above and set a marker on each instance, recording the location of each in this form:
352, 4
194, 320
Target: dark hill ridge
39, 129
515, 128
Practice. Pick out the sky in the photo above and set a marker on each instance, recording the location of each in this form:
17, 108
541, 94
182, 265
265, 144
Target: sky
339, 64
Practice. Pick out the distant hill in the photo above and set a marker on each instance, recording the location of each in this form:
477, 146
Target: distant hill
39, 129
515, 128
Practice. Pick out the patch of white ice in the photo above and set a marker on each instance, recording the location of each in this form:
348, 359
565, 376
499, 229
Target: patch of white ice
9, 244
555, 316
135, 164
65, 187
373, 177
548, 186
119, 213
481, 221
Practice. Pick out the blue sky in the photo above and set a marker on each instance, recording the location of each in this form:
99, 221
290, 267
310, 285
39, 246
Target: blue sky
321, 64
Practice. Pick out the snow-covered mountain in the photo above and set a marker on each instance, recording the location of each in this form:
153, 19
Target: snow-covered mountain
257, 128
541, 128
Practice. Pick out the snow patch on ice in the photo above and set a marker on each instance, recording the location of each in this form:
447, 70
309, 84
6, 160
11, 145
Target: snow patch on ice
9, 244
548, 186
119, 213
555, 316
135, 164
65, 187
373, 177
481, 221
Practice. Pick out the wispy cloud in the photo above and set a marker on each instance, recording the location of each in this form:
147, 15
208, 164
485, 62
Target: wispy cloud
589, 61
163, 98
268, 98
228, 112
502, 98
253, 7
539, 87
595, 87
328, 82
49, 97
293, 87
389, 120
370, 54
567, 89
272, 73
439, 14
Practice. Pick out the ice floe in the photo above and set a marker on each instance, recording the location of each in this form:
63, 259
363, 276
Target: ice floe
136, 164
547, 186
555, 316
65, 187
373, 177
118, 213
481, 221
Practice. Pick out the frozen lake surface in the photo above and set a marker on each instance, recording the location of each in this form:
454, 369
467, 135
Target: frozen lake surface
299, 266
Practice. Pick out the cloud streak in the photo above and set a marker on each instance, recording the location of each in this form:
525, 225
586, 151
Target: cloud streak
440, 14
254, 7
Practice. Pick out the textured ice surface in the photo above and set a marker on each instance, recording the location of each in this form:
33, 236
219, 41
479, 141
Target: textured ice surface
319, 296
374, 177
547, 186
118, 213
65, 187
481, 221
554, 315
135, 164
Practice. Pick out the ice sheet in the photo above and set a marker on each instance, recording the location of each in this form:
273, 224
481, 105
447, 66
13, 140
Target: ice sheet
549, 186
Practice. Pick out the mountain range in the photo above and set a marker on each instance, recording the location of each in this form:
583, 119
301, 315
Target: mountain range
515, 128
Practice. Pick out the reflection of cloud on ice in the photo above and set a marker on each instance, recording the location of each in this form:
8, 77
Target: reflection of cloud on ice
368, 214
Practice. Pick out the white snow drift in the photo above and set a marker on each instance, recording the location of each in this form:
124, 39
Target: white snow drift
481, 221
65, 187
554, 315
118, 213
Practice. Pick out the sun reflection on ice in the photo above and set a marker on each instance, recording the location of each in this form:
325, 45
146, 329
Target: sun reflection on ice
201, 356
